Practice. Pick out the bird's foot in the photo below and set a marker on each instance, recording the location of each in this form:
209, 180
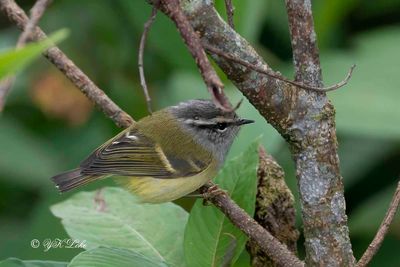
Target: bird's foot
212, 192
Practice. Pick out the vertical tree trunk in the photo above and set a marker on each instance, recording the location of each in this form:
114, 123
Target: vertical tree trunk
314, 149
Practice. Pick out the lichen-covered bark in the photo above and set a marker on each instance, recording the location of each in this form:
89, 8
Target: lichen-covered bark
315, 152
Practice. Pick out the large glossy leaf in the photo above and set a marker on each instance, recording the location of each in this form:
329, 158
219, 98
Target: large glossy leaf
155, 231
13, 60
210, 238
13, 262
106, 257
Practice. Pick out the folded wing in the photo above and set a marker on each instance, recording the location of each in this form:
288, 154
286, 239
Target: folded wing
133, 154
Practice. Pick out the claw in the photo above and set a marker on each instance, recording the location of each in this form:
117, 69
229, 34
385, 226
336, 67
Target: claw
212, 192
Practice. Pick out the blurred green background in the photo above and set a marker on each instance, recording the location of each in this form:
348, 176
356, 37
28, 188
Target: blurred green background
48, 127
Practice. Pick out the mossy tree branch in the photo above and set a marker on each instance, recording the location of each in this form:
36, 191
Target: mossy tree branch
274, 211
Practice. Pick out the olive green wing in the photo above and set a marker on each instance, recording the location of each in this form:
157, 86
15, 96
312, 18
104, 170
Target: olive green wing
133, 154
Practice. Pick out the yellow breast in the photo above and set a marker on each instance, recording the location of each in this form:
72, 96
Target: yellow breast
155, 190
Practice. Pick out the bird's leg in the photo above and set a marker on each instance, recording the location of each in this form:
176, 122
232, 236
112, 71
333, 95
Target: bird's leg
212, 191
194, 194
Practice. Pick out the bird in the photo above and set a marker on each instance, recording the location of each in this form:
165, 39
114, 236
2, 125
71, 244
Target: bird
164, 156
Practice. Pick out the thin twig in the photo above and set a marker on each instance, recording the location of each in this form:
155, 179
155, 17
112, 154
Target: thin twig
37, 12
214, 85
382, 231
278, 76
16, 15
143, 83
278, 252
230, 9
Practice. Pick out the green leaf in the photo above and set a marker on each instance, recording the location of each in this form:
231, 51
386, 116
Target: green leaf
138, 12
29, 160
329, 17
13, 60
210, 238
372, 150
248, 17
105, 257
13, 262
155, 231
368, 105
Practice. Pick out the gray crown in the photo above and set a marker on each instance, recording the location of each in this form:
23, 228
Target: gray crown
210, 126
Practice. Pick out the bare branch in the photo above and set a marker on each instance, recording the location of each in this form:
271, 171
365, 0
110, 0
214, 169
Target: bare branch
382, 231
16, 15
214, 85
269, 244
37, 12
276, 75
143, 83
230, 9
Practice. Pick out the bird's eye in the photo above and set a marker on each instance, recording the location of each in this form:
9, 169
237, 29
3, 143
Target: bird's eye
221, 126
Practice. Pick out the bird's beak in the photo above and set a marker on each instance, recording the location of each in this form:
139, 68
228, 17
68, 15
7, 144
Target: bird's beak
243, 121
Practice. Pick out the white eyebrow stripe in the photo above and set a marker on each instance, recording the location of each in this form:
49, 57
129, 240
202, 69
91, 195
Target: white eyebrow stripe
207, 123
199, 122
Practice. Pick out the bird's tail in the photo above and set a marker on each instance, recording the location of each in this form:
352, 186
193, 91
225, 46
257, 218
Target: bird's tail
72, 179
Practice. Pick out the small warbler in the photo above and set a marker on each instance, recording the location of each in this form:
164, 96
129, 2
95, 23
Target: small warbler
164, 156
